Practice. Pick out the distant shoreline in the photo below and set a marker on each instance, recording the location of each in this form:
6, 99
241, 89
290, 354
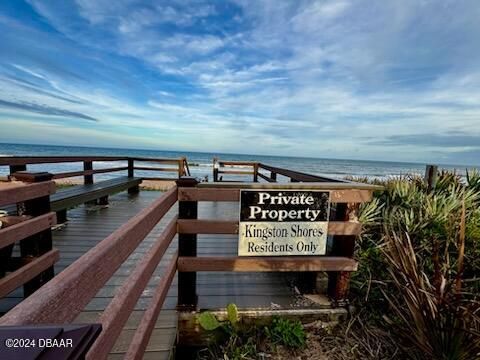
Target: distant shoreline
229, 154
202, 162
160, 185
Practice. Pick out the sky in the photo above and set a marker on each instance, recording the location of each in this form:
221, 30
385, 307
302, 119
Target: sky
352, 79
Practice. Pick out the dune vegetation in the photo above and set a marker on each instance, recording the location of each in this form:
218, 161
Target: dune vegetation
417, 288
416, 293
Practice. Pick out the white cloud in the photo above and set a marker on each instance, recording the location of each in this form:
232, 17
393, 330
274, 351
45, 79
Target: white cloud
340, 71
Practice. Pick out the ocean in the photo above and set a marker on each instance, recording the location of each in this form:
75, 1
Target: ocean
200, 163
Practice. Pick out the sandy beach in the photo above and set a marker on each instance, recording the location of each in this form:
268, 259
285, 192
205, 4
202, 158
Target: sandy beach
160, 185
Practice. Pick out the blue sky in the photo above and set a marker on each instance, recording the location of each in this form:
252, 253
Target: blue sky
381, 80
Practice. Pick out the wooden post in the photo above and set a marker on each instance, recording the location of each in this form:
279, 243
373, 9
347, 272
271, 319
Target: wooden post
186, 168
255, 172
273, 176
431, 176
181, 168
130, 168
187, 246
215, 169
40, 243
87, 179
17, 168
343, 245
62, 216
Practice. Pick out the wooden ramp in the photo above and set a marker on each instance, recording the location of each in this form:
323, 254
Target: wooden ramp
88, 226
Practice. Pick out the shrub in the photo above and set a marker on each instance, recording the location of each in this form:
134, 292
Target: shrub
432, 314
419, 260
286, 332
235, 341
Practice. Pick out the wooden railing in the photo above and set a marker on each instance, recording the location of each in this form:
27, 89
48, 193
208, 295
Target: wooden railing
31, 229
180, 167
62, 299
228, 167
255, 169
177, 166
343, 226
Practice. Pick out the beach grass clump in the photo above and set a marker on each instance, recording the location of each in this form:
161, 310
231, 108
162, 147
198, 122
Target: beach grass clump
433, 314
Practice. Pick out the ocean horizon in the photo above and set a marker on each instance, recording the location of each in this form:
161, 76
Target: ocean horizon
201, 162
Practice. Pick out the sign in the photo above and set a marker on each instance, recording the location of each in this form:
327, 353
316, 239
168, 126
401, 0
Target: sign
283, 222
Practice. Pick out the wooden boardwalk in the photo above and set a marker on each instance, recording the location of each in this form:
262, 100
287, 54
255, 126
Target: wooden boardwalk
87, 227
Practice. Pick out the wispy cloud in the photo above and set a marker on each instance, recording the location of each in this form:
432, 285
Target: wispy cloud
44, 110
453, 140
319, 78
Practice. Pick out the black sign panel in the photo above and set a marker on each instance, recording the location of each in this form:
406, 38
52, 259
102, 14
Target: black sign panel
283, 222
284, 205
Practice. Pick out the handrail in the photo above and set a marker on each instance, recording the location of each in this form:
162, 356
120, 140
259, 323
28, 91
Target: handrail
19, 163
145, 327
66, 295
157, 160
25, 160
118, 310
219, 167
296, 175
299, 185
18, 193
87, 172
31, 226
62, 299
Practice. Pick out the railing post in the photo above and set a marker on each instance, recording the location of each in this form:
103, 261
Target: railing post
181, 168
88, 179
255, 172
215, 169
131, 168
16, 168
273, 176
187, 246
431, 176
343, 245
40, 243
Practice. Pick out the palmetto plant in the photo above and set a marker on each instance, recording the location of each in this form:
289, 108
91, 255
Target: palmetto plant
427, 244
473, 180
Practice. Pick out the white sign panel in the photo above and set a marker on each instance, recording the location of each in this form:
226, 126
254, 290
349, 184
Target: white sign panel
283, 222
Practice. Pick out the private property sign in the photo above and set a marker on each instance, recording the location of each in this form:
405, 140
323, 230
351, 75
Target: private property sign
283, 222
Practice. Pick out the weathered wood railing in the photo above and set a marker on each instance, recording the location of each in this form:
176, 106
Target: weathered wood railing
19, 163
180, 167
62, 299
31, 229
227, 167
343, 227
256, 170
